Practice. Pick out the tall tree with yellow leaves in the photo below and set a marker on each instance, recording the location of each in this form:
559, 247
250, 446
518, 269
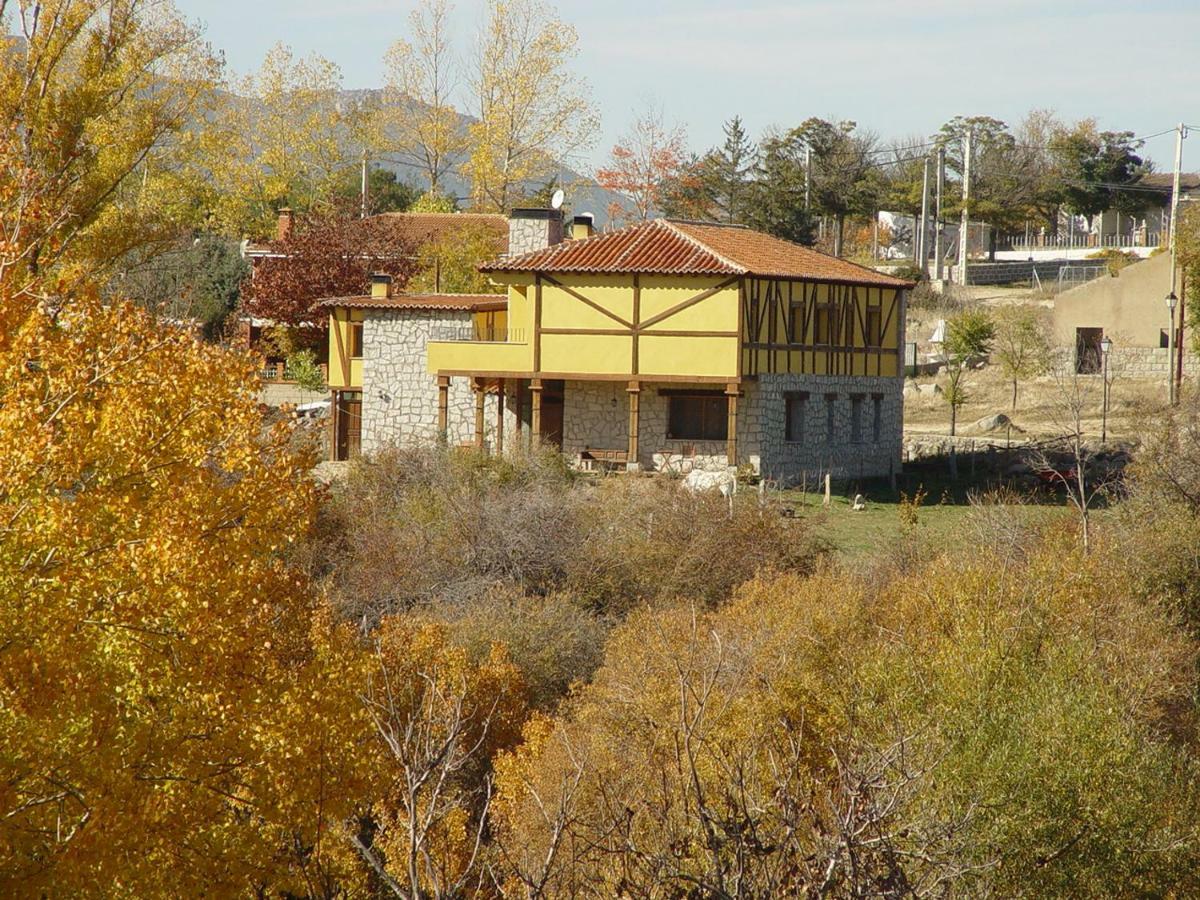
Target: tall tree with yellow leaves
284, 138
418, 123
96, 95
532, 108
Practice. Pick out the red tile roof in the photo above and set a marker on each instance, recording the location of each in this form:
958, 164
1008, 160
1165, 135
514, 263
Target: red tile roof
668, 247
470, 302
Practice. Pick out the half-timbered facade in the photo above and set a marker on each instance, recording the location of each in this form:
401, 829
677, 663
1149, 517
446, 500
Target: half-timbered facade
673, 344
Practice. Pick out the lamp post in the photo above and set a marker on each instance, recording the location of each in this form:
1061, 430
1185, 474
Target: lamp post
1172, 301
1105, 347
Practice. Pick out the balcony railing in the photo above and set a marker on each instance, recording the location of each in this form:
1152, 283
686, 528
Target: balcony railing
459, 333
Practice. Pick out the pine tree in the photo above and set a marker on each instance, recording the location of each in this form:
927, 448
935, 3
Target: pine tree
728, 173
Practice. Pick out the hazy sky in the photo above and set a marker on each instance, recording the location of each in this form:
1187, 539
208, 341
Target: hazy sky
897, 67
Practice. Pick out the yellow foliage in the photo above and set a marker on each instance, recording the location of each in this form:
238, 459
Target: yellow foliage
168, 720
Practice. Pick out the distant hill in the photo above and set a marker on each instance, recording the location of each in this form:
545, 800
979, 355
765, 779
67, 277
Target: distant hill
584, 195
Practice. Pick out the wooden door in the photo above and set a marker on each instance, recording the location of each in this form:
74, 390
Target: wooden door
552, 412
349, 425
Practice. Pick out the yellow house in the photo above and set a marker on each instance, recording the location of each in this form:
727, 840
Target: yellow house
672, 343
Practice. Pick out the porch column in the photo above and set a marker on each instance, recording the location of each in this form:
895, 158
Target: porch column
499, 416
634, 389
477, 386
535, 418
731, 400
443, 407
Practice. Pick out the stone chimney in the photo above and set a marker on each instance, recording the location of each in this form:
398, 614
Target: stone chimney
381, 285
583, 226
283, 228
530, 230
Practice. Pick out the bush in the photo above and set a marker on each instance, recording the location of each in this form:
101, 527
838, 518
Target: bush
423, 526
1117, 259
950, 299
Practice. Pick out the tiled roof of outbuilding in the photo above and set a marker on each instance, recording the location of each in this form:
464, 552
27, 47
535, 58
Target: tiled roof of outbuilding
471, 302
670, 247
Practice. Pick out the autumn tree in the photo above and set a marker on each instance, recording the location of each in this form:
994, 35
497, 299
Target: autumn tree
449, 262
1021, 345
285, 138
531, 107
683, 195
418, 123
643, 161
325, 256
98, 96
165, 700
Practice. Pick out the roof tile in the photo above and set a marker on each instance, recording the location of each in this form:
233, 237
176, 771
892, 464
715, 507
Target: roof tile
668, 247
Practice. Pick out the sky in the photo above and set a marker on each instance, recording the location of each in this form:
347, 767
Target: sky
898, 68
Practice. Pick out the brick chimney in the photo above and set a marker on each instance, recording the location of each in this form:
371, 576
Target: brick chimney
381, 285
530, 230
583, 226
283, 227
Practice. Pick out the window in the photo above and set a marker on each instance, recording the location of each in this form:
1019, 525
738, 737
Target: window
856, 405
874, 326
830, 420
356, 340
797, 324
698, 417
877, 418
822, 332
794, 410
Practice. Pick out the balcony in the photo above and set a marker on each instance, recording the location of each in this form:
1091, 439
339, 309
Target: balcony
468, 349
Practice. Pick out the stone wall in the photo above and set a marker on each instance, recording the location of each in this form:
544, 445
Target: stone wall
1146, 362
841, 452
537, 230
400, 398
596, 415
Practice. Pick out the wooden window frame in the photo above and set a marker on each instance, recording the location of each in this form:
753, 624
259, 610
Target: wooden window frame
356, 340
874, 327
713, 414
800, 399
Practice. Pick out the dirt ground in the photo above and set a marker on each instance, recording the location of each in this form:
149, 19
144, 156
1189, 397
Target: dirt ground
1040, 409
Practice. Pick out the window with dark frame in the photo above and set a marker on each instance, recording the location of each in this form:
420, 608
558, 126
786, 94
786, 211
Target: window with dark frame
794, 410
797, 336
874, 326
356, 340
698, 417
877, 417
830, 419
822, 324
856, 405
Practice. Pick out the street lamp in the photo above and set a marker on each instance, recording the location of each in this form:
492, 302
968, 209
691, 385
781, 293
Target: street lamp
1105, 347
1172, 302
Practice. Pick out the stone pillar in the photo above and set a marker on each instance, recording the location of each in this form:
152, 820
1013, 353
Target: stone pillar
477, 385
731, 399
634, 390
535, 418
499, 416
443, 407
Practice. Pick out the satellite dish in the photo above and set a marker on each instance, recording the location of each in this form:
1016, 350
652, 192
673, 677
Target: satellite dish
556, 201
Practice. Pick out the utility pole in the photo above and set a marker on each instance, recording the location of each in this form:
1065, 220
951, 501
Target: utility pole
966, 200
807, 175
937, 215
363, 211
922, 252
1180, 134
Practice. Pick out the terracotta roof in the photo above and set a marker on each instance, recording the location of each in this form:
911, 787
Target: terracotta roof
1164, 181
669, 247
472, 302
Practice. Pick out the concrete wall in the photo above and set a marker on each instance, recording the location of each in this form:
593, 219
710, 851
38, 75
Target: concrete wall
1130, 307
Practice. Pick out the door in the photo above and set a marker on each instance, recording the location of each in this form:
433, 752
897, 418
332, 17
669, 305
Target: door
348, 419
552, 412
1087, 350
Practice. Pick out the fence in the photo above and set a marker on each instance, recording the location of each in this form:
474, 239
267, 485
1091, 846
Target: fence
279, 373
1010, 272
475, 333
1080, 241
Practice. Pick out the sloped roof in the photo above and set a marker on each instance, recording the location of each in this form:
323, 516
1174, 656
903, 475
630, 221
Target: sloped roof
468, 302
670, 247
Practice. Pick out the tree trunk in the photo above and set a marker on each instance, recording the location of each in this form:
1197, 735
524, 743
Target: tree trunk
953, 417
838, 235
1014, 405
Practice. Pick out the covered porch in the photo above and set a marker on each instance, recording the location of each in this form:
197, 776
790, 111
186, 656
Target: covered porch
634, 424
